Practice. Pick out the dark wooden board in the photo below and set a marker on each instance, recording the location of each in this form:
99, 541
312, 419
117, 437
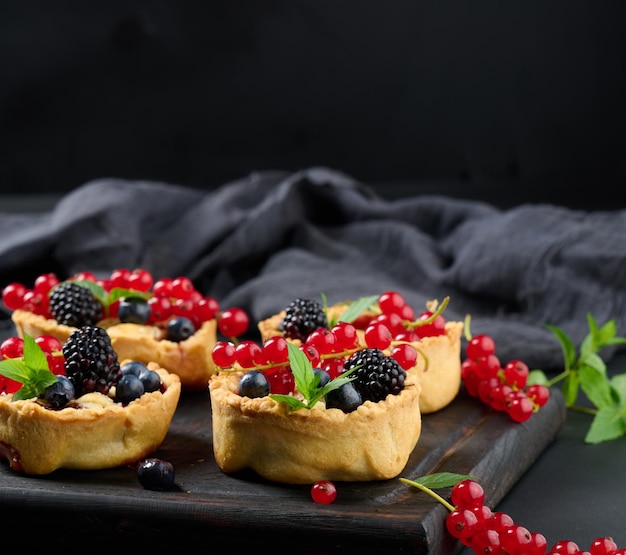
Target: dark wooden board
243, 511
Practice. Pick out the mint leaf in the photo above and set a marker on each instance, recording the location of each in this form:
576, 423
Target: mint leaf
32, 371
358, 307
108, 298
441, 479
307, 381
608, 423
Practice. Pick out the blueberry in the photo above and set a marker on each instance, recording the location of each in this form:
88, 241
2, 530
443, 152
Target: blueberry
128, 388
179, 329
133, 367
60, 393
254, 384
345, 397
324, 376
156, 474
133, 310
150, 379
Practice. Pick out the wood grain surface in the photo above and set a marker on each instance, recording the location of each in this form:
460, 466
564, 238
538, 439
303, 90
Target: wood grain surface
243, 512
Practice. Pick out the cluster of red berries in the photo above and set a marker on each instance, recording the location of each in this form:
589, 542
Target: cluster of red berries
484, 531
390, 329
167, 297
504, 388
13, 348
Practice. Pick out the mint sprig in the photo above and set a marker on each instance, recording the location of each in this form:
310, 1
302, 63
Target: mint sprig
585, 371
308, 381
32, 371
107, 298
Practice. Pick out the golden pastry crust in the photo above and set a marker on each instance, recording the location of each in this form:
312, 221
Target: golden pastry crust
100, 434
306, 445
440, 377
190, 359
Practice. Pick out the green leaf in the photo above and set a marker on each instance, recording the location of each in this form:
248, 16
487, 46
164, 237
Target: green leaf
567, 345
537, 377
307, 382
32, 371
441, 479
618, 383
596, 387
607, 424
358, 307
570, 388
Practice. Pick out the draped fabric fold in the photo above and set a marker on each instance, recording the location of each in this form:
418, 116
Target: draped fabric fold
272, 236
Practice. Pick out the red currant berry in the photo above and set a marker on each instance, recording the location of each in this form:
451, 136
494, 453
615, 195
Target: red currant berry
603, 546
565, 547
516, 374
162, 287
312, 354
334, 366
462, 524
48, 343
56, 363
393, 321
119, 278
538, 394
8, 385
205, 309
431, 329
281, 381
223, 354
45, 282
485, 541
276, 350
391, 302
233, 322
345, 335
323, 340
323, 492
84, 276
405, 355
467, 493
519, 407
479, 346
378, 336
160, 309
516, 539
487, 366
182, 287
140, 280
13, 295
12, 347
501, 521
249, 354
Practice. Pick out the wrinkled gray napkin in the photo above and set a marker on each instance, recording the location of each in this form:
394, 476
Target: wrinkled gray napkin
264, 240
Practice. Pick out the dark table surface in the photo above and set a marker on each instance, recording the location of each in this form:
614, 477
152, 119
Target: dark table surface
572, 491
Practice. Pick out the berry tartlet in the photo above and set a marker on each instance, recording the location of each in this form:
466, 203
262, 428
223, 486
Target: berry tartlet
95, 413
359, 426
388, 322
166, 321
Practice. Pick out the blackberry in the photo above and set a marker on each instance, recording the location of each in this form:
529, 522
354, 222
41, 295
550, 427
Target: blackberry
377, 375
90, 361
302, 317
75, 306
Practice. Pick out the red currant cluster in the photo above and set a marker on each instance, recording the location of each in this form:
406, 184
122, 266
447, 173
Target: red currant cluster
504, 388
167, 297
390, 327
484, 531
13, 348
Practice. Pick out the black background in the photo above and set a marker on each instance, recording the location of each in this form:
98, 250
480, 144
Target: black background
507, 102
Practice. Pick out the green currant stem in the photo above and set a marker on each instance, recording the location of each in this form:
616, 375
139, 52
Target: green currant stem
429, 492
558, 378
584, 410
430, 319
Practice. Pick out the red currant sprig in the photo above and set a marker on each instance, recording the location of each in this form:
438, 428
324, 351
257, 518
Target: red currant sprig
475, 525
503, 388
